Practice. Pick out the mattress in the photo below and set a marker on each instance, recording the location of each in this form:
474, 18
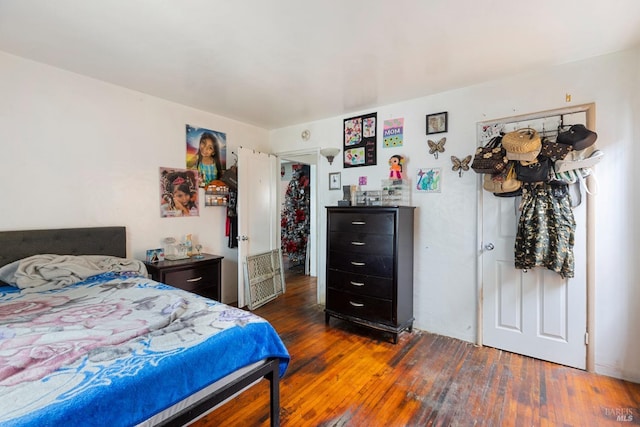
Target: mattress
118, 349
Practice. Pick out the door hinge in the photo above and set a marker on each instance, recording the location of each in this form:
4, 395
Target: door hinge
586, 338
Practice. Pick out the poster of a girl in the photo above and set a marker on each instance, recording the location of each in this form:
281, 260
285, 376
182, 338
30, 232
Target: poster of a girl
179, 193
206, 153
208, 159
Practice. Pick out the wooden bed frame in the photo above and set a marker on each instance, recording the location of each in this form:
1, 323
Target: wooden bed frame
15, 245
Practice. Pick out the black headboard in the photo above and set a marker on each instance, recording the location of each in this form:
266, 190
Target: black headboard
15, 245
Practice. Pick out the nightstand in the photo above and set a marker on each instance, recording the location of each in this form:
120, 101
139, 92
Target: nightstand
201, 276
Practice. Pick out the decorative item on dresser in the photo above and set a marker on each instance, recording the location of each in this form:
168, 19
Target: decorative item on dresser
202, 276
370, 266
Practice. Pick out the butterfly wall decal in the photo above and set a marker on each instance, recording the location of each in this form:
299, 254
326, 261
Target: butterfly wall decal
436, 147
460, 165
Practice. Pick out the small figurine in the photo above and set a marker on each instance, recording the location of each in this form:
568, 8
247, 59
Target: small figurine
198, 254
395, 166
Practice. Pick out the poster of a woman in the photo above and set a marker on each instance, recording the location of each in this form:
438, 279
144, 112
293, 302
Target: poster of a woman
178, 192
206, 153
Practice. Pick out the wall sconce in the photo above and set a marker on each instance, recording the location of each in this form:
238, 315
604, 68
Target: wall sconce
330, 153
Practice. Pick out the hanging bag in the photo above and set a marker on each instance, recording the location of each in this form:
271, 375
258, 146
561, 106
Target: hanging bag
554, 150
575, 172
230, 177
577, 136
491, 158
580, 176
586, 158
522, 144
537, 171
503, 182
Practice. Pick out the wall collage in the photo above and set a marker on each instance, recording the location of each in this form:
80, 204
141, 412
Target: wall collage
360, 149
206, 160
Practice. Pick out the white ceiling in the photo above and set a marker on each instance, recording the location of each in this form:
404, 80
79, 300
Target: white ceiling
275, 63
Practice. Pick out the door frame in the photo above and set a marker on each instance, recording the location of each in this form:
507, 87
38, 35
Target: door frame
311, 157
590, 111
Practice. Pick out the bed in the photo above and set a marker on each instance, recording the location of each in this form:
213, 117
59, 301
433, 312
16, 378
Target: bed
117, 348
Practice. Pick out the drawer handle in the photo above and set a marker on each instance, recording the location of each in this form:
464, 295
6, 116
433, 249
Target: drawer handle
356, 304
358, 243
357, 283
359, 264
197, 279
358, 222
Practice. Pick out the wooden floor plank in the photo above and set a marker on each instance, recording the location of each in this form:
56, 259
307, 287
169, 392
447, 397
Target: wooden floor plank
346, 375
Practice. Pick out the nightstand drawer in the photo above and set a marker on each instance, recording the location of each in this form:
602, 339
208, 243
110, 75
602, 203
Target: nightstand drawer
372, 265
191, 279
202, 276
362, 222
360, 284
367, 308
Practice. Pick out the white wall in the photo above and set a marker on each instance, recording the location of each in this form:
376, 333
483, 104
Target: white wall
79, 152
446, 246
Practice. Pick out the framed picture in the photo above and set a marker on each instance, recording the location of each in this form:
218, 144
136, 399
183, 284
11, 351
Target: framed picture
155, 255
437, 123
334, 181
360, 139
429, 180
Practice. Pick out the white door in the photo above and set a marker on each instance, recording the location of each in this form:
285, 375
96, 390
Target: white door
258, 228
535, 313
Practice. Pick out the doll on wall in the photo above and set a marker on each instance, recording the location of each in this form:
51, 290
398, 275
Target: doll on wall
395, 166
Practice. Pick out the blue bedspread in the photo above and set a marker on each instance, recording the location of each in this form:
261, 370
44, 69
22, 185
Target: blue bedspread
116, 349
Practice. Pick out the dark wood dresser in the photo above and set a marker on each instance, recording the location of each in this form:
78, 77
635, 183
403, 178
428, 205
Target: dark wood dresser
370, 266
200, 276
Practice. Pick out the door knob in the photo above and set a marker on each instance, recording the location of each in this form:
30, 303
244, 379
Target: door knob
243, 238
489, 246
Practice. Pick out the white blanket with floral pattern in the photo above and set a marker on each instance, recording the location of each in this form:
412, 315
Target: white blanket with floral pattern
117, 348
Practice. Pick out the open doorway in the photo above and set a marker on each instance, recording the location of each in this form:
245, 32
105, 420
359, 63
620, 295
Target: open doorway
295, 217
298, 173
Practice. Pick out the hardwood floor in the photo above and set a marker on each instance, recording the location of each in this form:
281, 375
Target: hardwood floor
344, 375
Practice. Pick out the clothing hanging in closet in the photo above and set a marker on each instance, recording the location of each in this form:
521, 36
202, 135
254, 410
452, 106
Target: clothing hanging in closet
546, 230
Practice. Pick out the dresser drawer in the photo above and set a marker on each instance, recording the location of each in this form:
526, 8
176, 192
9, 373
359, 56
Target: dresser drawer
358, 222
360, 284
201, 276
369, 264
192, 279
367, 308
362, 243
